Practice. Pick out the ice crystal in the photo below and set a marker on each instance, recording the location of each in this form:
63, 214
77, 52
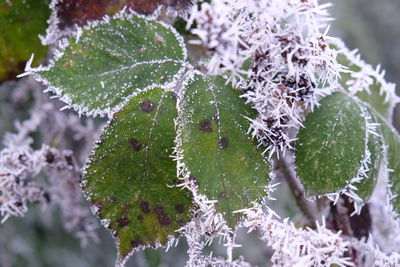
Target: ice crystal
291, 67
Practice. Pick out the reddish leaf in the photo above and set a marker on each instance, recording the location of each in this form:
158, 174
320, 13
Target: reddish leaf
78, 12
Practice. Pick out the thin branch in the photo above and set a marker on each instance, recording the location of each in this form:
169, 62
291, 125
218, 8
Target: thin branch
307, 208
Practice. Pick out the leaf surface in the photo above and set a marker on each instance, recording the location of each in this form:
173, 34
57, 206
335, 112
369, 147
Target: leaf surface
331, 146
217, 150
374, 97
21, 23
107, 63
130, 177
392, 142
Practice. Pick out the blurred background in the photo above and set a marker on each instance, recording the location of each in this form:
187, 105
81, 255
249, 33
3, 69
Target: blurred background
40, 240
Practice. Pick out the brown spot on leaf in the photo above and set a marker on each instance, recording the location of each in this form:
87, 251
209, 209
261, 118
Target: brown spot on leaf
122, 221
135, 144
140, 217
145, 207
224, 195
205, 126
162, 216
147, 106
179, 208
223, 142
135, 243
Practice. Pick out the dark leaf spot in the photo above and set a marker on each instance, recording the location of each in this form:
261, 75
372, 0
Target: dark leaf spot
224, 195
122, 221
145, 207
140, 217
162, 216
205, 126
179, 208
135, 144
223, 142
135, 243
147, 106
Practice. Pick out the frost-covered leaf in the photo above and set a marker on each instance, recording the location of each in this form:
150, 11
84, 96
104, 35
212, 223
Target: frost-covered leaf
216, 149
374, 154
374, 96
392, 143
21, 22
334, 145
106, 63
130, 177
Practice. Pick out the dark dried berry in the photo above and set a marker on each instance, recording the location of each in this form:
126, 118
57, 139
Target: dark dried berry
49, 157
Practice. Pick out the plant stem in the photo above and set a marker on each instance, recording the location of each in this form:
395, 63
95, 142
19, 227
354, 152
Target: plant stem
297, 189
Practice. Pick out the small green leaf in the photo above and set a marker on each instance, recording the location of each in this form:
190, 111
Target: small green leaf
375, 140
216, 149
130, 178
375, 98
21, 22
392, 142
331, 146
104, 65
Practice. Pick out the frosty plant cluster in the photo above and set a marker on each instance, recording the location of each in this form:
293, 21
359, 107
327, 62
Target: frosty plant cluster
193, 142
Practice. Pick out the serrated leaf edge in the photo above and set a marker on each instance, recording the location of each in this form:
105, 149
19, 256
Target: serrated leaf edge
206, 206
121, 259
64, 43
350, 188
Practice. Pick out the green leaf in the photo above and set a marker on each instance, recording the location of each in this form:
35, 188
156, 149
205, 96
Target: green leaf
216, 148
375, 140
331, 148
130, 177
392, 142
106, 63
375, 98
21, 22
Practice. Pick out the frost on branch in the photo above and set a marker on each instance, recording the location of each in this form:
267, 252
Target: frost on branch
291, 61
297, 247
